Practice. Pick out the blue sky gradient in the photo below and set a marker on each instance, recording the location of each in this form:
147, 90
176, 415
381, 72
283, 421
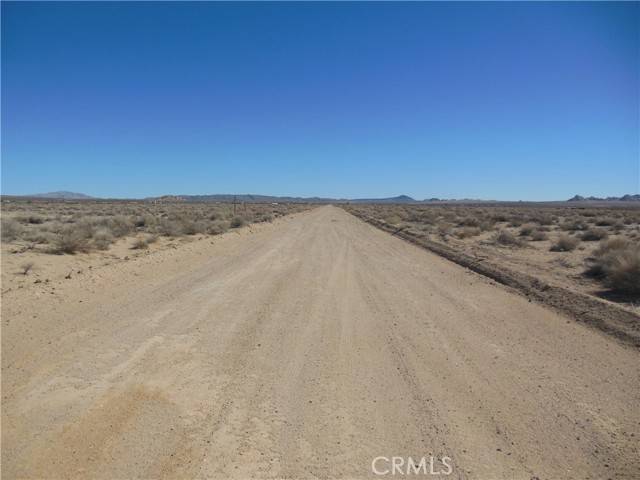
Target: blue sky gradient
531, 101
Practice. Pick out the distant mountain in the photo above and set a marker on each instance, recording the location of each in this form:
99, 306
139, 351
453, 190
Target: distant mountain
624, 198
398, 199
249, 198
62, 195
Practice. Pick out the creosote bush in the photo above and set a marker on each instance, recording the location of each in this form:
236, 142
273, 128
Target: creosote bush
539, 235
617, 263
70, 241
593, 235
10, 229
565, 243
237, 222
505, 237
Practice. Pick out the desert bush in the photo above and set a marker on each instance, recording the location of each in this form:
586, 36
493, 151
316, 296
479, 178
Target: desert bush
10, 229
102, 239
543, 219
444, 229
538, 235
218, 227
574, 225
593, 235
469, 222
515, 222
527, 229
565, 243
39, 236
26, 267
617, 263
120, 225
618, 226
505, 237
143, 221
139, 244
623, 270
70, 241
468, 232
193, 227
30, 219
605, 221
169, 228
237, 222
392, 219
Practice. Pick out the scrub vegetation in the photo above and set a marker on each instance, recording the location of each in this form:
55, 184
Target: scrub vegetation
591, 249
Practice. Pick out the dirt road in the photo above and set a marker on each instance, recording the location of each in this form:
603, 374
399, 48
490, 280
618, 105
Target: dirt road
307, 349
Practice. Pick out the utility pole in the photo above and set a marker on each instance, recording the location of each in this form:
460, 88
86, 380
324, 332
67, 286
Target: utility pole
234, 205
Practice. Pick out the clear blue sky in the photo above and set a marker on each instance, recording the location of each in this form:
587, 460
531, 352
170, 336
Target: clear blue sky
528, 101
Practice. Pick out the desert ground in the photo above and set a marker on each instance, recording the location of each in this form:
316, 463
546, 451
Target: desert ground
300, 342
594, 250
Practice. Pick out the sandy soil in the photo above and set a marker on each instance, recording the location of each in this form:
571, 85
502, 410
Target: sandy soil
304, 349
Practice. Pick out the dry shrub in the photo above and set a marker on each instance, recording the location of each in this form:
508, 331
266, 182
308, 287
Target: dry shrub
71, 241
617, 263
39, 236
565, 243
593, 235
218, 227
237, 222
444, 229
605, 221
527, 229
192, 227
469, 222
120, 225
505, 237
572, 226
10, 229
102, 238
30, 219
393, 219
169, 228
538, 235
468, 232
139, 244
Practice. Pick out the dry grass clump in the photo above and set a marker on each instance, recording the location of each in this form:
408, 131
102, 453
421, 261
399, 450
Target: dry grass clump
593, 235
70, 241
617, 263
237, 222
505, 237
539, 235
574, 225
527, 229
217, 227
468, 232
26, 267
605, 222
102, 239
392, 219
30, 219
10, 229
143, 243
565, 243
